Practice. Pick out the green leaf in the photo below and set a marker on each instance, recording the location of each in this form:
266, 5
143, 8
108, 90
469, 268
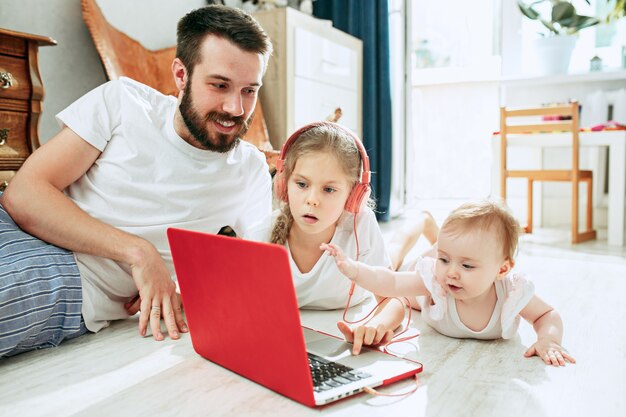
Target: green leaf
528, 11
562, 11
582, 22
550, 26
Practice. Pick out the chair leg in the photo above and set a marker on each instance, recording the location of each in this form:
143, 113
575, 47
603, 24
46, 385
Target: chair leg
589, 204
575, 187
589, 233
529, 208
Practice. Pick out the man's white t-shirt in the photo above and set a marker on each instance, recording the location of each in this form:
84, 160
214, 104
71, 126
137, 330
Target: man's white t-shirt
324, 287
147, 179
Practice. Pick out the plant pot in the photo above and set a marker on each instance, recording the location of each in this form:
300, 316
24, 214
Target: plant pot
553, 54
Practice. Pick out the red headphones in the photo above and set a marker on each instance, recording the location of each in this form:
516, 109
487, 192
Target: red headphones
360, 191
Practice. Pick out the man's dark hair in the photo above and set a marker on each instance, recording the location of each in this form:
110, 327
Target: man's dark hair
228, 23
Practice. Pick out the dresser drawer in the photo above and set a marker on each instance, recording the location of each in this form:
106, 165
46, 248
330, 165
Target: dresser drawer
16, 70
13, 137
11, 45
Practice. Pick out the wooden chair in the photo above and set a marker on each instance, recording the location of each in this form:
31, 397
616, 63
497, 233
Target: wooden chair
122, 55
574, 175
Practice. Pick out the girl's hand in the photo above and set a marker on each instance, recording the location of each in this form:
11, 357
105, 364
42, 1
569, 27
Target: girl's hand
347, 266
550, 352
365, 335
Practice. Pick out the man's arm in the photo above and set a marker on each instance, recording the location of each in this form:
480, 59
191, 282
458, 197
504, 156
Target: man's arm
35, 201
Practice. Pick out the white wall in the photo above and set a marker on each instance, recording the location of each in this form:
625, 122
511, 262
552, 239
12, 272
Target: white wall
72, 68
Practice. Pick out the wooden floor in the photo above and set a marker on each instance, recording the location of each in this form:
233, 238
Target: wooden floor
115, 372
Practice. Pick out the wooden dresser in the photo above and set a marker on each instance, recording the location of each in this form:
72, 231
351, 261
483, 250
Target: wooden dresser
21, 94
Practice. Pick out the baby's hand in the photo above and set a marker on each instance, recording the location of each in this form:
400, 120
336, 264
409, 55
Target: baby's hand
550, 352
347, 266
365, 335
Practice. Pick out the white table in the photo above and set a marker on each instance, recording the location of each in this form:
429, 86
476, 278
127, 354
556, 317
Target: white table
615, 141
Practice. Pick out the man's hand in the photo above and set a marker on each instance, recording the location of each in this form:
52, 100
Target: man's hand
132, 307
365, 335
158, 297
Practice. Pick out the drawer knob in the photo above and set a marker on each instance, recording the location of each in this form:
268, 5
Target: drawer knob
4, 135
6, 79
3, 185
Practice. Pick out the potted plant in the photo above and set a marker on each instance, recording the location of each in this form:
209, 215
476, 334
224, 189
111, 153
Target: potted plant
562, 21
563, 18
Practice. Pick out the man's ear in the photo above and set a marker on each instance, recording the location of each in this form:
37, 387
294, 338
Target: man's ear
179, 71
505, 268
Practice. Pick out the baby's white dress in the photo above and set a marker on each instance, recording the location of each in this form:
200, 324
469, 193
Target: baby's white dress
513, 292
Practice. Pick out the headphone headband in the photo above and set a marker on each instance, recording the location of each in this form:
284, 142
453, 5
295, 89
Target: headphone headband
360, 191
365, 161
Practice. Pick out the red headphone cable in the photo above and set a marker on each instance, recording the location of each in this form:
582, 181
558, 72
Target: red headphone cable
372, 391
396, 338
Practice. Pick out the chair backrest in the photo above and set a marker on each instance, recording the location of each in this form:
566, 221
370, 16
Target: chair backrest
122, 55
553, 119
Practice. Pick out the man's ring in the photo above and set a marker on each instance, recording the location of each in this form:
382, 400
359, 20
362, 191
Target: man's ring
155, 308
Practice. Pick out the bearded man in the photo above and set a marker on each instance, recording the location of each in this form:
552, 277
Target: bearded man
83, 223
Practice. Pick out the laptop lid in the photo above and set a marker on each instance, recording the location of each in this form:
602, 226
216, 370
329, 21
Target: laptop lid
242, 312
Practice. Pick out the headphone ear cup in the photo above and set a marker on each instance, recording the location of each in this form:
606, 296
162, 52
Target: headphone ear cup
280, 187
359, 194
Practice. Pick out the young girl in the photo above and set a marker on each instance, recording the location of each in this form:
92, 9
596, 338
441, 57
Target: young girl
470, 290
322, 183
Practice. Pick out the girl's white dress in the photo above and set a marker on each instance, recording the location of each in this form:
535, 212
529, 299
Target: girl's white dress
324, 287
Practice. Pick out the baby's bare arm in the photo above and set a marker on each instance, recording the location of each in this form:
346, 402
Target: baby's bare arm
379, 280
549, 328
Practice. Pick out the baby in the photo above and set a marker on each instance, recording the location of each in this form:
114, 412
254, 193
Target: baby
469, 290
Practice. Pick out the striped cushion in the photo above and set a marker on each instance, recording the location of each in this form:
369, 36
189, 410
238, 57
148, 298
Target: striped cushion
40, 292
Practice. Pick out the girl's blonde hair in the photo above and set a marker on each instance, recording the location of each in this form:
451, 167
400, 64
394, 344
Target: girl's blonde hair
325, 138
484, 215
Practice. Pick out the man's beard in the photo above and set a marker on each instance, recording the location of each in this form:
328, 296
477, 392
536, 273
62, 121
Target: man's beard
196, 124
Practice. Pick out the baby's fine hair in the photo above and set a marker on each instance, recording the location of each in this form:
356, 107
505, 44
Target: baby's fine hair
325, 138
483, 215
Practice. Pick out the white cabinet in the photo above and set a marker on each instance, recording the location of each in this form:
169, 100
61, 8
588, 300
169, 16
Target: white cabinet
315, 69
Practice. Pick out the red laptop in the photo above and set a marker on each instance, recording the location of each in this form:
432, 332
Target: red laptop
242, 312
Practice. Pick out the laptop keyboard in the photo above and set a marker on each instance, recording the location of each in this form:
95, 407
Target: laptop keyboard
327, 374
